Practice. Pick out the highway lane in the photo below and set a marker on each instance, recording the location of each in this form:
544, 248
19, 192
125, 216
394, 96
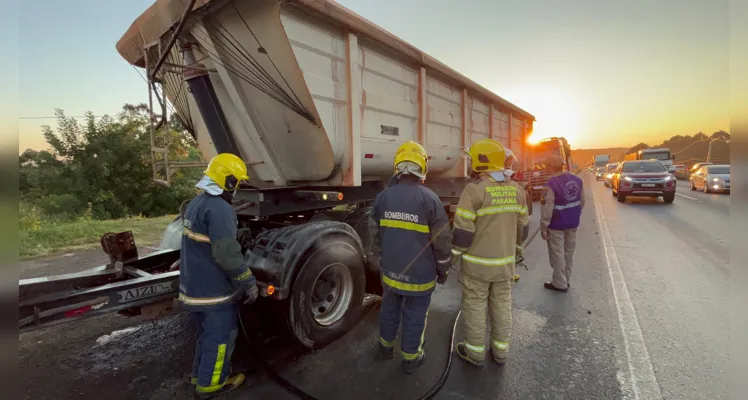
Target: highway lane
674, 259
646, 318
719, 201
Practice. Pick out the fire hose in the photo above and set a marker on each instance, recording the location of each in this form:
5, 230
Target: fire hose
295, 390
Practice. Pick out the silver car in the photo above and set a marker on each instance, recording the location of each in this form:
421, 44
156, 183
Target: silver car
711, 178
609, 169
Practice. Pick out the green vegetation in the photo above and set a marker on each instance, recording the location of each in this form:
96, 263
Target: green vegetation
97, 178
40, 236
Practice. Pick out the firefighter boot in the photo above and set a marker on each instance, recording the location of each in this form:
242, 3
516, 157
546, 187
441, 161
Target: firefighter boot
410, 365
462, 352
232, 382
384, 352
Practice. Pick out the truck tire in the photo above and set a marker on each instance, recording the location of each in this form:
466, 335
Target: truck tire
668, 198
621, 198
327, 295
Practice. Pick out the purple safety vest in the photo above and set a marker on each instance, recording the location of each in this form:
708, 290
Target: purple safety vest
567, 210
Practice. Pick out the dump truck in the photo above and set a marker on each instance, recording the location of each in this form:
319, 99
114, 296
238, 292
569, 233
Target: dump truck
315, 99
661, 154
537, 174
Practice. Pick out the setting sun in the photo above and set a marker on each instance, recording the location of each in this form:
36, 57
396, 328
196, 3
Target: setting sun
555, 113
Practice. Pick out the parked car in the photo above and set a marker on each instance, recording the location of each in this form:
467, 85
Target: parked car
681, 172
599, 172
643, 178
711, 178
609, 170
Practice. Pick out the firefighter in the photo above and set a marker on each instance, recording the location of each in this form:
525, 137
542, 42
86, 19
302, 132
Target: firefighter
561, 202
213, 274
409, 226
489, 216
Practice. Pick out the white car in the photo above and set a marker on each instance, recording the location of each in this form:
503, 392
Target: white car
711, 178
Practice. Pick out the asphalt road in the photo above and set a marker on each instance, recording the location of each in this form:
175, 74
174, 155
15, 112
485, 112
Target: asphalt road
646, 318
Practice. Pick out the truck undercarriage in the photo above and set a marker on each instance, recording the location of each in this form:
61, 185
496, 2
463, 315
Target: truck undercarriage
308, 248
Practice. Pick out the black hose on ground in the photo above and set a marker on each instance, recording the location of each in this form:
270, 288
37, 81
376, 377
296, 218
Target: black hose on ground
291, 388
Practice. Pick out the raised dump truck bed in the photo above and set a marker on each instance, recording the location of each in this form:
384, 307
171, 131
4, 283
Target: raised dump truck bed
314, 94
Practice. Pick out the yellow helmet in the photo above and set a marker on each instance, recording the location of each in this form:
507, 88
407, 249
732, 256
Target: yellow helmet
227, 170
486, 155
413, 152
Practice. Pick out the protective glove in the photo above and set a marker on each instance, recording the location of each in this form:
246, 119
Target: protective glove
442, 277
251, 293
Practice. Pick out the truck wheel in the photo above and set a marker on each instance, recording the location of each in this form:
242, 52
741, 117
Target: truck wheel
621, 198
327, 296
668, 198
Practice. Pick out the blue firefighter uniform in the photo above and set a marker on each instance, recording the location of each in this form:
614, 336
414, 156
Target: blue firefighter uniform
213, 275
210, 283
412, 230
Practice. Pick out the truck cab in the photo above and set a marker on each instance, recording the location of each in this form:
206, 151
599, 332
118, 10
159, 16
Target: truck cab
538, 175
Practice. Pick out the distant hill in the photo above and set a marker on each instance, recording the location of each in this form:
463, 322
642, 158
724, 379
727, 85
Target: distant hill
584, 156
687, 149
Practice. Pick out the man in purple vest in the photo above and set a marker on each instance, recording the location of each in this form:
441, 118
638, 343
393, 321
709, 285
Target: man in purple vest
561, 203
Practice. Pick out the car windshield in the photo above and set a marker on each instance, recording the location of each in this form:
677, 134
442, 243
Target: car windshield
657, 156
612, 167
721, 169
644, 166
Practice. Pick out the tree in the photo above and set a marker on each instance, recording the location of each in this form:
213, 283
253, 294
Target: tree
104, 166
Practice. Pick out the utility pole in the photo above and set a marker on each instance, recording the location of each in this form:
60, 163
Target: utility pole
709, 152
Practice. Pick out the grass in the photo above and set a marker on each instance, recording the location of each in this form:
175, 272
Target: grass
52, 237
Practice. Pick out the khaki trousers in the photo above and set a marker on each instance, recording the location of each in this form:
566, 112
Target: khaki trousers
561, 245
478, 297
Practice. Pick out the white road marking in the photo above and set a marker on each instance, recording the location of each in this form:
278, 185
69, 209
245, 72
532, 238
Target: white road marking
643, 381
688, 197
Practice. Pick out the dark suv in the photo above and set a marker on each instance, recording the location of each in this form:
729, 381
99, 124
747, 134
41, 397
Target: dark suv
645, 178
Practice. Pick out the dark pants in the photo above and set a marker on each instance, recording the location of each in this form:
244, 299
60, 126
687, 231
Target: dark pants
414, 311
216, 330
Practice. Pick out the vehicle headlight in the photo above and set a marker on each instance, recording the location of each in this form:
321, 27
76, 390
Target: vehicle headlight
627, 178
667, 178
715, 179
610, 175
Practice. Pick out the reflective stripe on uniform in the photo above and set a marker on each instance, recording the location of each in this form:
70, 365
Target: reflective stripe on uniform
215, 381
457, 252
502, 209
408, 287
570, 205
198, 237
503, 346
465, 214
409, 226
203, 301
386, 343
218, 368
490, 262
475, 349
244, 275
